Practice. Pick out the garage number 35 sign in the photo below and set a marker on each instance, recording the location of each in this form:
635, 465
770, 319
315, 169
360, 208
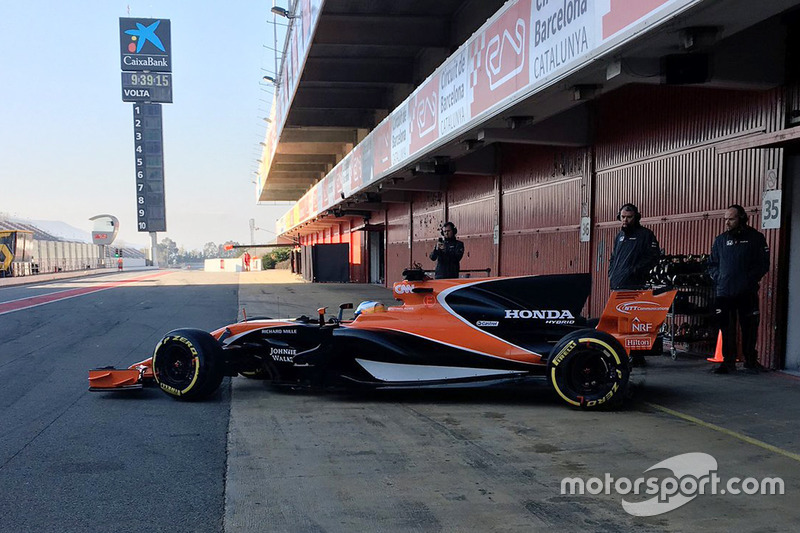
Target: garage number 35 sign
771, 210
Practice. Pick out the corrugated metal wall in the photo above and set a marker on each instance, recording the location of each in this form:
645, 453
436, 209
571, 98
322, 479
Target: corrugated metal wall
398, 243
656, 148
544, 194
428, 215
471, 206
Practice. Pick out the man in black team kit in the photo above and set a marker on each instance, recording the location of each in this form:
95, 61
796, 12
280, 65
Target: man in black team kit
448, 253
635, 253
739, 259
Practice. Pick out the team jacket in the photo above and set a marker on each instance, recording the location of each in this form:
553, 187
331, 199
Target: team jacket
739, 259
635, 252
448, 261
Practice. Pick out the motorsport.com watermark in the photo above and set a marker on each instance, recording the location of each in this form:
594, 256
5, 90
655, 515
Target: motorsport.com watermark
693, 474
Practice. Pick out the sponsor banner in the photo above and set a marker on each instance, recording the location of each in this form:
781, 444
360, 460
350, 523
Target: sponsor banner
525, 45
623, 13
454, 93
145, 44
367, 173
356, 168
321, 191
400, 134
301, 30
346, 175
424, 115
7, 242
499, 57
563, 31
330, 187
303, 212
382, 147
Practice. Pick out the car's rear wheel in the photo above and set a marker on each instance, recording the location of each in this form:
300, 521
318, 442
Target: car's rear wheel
589, 369
187, 364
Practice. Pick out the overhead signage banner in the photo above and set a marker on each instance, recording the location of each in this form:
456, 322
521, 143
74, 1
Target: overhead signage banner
563, 32
424, 115
400, 134
145, 44
499, 57
454, 93
526, 46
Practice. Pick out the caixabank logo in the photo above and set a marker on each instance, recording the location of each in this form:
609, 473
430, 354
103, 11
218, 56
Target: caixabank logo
145, 45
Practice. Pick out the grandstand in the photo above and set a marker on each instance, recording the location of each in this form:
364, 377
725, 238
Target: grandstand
54, 253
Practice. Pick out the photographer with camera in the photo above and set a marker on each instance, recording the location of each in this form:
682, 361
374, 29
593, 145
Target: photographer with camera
448, 253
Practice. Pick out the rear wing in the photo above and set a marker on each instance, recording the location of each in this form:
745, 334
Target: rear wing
634, 318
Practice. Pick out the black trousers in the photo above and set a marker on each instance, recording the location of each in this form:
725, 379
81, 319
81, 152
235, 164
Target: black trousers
744, 309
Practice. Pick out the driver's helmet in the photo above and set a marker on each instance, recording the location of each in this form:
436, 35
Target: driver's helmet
369, 307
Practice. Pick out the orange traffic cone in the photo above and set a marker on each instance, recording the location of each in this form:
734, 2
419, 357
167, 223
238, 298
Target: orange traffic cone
718, 352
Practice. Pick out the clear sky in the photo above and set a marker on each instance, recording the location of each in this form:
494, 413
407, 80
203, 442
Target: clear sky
66, 137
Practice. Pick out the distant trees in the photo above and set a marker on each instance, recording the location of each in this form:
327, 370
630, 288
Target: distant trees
274, 257
167, 252
210, 250
170, 254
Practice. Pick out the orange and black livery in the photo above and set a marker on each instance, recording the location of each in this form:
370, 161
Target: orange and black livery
454, 332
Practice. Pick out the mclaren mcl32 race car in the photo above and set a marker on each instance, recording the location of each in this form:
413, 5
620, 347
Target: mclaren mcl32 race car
446, 333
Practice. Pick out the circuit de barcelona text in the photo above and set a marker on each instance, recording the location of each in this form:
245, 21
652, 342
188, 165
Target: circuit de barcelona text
563, 48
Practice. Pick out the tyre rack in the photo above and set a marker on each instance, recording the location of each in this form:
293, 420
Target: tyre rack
690, 326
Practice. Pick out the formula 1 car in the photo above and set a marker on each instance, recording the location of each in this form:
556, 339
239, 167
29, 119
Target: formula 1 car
446, 333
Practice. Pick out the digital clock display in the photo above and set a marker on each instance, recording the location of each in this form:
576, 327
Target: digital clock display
147, 87
146, 79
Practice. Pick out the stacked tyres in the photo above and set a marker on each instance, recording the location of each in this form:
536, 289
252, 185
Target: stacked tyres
187, 364
589, 369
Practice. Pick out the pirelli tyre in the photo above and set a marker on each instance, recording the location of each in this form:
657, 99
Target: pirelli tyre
589, 369
187, 364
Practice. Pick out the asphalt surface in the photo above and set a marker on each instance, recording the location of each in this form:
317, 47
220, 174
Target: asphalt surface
71, 460
256, 459
494, 459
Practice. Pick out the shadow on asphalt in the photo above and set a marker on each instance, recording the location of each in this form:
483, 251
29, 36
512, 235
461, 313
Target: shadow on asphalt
536, 392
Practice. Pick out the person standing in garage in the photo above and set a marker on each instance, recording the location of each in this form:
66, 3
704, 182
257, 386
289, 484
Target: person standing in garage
448, 253
635, 253
739, 259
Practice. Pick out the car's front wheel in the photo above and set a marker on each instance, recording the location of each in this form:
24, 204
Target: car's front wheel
589, 369
187, 364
